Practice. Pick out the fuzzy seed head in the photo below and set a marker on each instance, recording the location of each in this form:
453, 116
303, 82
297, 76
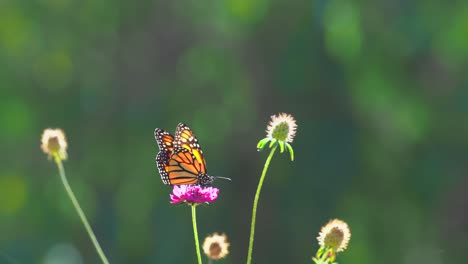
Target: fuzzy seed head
53, 143
216, 246
335, 234
282, 127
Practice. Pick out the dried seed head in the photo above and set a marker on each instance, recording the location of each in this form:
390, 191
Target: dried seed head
282, 127
53, 143
216, 246
335, 234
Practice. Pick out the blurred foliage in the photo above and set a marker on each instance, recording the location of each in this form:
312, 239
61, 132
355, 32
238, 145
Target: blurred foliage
378, 89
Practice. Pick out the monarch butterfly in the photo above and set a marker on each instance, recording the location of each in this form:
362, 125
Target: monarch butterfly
180, 159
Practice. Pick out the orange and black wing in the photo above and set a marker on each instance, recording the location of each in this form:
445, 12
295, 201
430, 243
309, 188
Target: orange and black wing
166, 146
183, 168
185, 139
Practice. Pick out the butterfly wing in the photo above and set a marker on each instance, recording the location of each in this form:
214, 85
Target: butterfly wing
166, 146
185, 139
183, 168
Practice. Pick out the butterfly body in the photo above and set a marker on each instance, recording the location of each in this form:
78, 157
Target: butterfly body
180, 159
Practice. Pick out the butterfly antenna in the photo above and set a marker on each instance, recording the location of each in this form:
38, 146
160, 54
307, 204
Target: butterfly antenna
224, 178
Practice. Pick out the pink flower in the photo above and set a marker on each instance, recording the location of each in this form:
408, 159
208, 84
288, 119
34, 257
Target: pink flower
193, 194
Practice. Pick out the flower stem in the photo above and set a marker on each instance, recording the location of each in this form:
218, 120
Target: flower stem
254, 211
195, 233
58, 161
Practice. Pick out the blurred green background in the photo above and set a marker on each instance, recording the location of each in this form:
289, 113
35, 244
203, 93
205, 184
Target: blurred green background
378, 88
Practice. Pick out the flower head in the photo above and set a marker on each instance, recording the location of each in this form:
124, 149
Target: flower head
335, 235
216, 246
193, 194
281, 130
53, 143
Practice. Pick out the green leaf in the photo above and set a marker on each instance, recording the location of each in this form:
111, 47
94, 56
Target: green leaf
291, 151
281, 144
262, 143
273, 141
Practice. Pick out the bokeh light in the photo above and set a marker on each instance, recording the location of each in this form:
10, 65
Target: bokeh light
63, 253
378, 89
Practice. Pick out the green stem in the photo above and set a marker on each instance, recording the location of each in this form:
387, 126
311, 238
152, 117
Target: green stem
79, 210
254, 211
195, 233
